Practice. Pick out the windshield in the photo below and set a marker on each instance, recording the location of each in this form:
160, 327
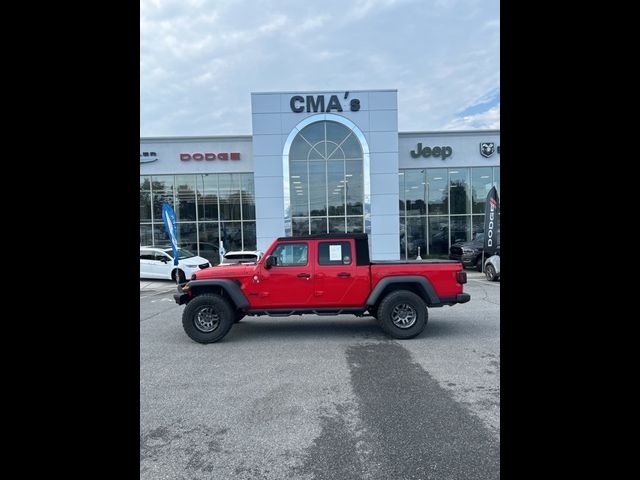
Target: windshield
182, 253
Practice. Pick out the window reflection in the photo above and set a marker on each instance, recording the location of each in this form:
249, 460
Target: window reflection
438, 235
415, 192
459, 190
481, 183
196, 200
438, 191
455, 201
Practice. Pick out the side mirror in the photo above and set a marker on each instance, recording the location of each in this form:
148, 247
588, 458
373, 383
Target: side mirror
270, 262
164, 259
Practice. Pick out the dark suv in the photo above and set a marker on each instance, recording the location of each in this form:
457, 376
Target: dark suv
468, 253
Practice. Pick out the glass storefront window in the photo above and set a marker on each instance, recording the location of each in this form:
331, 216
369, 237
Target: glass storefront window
439, 235
200, 231
207, 190
162, 192
438, 191
249, 236
185, 198
416, 237
459, 190
496, 179
145, 206
209, 242
403, 238
146, 235
456, 200
299, 187
336, 185
354, 187
188, 236
415, 192
229, 196
318, 194
326, 182
481, 183
318, 225
355, 225
231, 235
248, 196
460, 229
337, 225
477, 225
299, 226
401, 193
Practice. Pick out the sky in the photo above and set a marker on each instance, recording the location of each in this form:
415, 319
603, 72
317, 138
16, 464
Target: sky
201, 59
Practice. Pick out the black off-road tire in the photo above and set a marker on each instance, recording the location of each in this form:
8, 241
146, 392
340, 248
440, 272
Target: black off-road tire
393, 305
204, 312
373, 311
178, 276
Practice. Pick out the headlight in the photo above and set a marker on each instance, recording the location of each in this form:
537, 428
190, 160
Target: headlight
468, 250
191, 266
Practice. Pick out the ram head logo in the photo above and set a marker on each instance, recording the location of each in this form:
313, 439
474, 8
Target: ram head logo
487, 149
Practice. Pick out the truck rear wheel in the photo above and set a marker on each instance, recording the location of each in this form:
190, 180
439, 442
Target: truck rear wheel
402, 314
207, 318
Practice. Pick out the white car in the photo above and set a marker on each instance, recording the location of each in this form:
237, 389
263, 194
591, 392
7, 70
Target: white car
251, 256
158, 263
492, 268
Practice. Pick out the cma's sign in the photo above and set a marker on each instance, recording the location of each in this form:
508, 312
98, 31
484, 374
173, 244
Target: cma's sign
443, 152
185, 157
317, 103
148, 157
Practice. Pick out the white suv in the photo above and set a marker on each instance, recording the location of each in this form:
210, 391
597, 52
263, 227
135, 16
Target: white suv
244, 256
158, 263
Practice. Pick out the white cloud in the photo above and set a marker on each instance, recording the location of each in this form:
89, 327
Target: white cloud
484, 120
199, 61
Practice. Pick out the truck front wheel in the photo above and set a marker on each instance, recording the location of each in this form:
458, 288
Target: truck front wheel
207, 318
402, 314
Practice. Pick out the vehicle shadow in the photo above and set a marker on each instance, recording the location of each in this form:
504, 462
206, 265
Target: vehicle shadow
301, 328
307, 328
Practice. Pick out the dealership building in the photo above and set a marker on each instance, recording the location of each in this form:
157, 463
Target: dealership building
320, 162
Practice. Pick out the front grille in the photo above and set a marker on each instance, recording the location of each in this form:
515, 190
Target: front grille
204, 265
456, 250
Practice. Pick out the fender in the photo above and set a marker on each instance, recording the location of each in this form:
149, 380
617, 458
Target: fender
423, 283
230, 287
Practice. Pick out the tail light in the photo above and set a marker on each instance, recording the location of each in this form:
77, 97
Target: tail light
461, 277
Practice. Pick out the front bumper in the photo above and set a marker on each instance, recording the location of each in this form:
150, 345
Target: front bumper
466, 260
181, 297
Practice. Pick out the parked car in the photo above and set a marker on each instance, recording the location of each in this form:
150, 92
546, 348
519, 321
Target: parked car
158, 263
328, 274
242, 256
492, 267
468, 253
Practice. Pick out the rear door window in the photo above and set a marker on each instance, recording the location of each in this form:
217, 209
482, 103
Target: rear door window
334, 253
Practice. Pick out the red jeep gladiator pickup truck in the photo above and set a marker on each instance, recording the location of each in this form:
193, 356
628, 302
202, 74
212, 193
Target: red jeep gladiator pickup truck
322, 274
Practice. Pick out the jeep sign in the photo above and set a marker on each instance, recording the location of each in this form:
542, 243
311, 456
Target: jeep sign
444, 152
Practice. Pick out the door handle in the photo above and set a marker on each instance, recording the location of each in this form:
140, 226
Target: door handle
344, 274
304, 275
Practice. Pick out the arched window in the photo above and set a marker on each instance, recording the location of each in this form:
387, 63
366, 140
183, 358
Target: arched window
326, 184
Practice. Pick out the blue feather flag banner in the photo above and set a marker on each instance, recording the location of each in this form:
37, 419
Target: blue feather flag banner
169, 217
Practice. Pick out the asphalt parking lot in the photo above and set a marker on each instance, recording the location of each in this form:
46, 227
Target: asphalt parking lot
321, 397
